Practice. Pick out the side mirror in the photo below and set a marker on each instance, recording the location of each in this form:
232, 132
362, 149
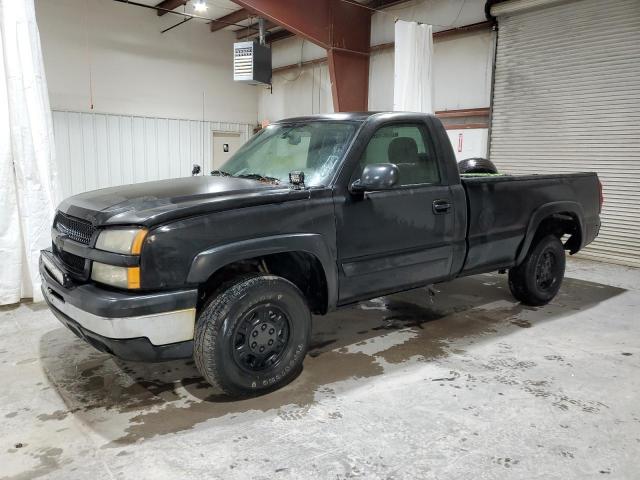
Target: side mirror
378, 176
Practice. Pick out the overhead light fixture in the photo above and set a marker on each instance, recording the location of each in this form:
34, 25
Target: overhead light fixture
200, 6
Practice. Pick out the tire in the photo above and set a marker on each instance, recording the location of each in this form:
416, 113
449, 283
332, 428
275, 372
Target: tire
252, 337
476, 165
537, 279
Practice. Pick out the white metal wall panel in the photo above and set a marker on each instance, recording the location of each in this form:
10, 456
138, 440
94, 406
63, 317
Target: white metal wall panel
567, 99
469, 142
97, 150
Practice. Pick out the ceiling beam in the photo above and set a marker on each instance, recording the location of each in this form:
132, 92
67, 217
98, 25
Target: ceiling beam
170, 5
270, 36
233, 17
252, 29
279, 35
342, 28
378, 4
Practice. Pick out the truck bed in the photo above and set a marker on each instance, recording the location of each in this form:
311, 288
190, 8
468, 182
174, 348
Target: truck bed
501, 209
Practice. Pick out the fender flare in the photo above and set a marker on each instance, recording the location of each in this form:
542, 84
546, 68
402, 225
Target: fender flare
542, 213
209, 261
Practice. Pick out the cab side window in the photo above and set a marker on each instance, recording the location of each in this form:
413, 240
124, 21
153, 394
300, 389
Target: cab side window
408, 147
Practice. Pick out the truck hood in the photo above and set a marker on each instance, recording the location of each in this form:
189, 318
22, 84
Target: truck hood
151, 203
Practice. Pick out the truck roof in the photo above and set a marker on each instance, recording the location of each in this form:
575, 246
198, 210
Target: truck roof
351, 116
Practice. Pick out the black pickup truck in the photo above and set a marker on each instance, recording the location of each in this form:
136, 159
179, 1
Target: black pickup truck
311, 214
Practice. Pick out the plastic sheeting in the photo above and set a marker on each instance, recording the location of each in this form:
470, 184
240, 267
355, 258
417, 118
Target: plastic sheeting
413, 77
28, 179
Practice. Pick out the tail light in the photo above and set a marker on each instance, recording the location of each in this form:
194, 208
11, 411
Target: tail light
601, 195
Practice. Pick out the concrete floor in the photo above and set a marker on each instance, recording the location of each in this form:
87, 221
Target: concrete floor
472, 385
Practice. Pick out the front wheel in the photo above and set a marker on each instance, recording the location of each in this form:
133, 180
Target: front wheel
538, 278
252, 337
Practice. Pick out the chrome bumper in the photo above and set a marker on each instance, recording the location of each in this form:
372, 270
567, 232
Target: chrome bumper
162, 318
159, 328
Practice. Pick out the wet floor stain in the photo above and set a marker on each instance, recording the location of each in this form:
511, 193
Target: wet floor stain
47, 460
57, 415
521, 323
299, 395
27, 361
357, 343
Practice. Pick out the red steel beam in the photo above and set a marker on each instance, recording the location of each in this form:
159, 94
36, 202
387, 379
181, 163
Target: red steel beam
233, 17
349, 75
464, 112
169, 5
342, 28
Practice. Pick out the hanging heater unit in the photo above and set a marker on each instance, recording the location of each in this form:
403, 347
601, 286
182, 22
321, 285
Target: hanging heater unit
251, 63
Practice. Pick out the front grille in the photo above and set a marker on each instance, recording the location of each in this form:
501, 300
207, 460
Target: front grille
73, 262
77, 230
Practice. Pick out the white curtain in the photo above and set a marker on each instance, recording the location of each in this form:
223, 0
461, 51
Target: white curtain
29, 188
413, 79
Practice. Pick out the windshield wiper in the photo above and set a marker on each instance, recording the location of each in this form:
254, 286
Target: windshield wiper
260, 178
220, 173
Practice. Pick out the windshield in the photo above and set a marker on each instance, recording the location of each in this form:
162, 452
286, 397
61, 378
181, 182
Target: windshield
315, 148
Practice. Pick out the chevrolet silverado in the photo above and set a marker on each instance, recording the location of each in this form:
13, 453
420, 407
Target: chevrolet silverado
311, 214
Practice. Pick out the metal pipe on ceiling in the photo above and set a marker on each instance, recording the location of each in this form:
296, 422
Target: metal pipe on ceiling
176, 25
261, 30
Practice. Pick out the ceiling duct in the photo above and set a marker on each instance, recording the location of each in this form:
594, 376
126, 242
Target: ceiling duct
261, 30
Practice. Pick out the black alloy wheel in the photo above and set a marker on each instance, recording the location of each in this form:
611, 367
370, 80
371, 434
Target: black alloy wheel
252, 335
261, 337
546, 270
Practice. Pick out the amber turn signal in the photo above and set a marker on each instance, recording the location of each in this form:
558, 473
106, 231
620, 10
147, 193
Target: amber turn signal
136, 246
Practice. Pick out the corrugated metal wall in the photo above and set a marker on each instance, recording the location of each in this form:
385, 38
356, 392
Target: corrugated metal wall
567, 99
100, 150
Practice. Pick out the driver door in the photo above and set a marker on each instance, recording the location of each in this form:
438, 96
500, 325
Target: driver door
395, 239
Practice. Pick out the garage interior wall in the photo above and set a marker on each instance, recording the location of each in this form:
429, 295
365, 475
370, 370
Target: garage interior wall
462, 68
96, 150
461, 65
146, 84
567, 99
461, 71
147, 92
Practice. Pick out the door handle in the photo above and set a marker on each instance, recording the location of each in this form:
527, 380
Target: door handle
441, 206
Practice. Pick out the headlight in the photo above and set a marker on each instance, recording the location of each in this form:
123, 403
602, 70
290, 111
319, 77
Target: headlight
119, 240
121, 277
122, 240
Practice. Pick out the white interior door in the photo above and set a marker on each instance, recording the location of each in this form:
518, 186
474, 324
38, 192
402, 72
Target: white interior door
224, 145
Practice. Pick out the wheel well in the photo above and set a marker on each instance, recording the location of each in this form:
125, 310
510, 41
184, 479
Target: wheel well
561, 224
301, 268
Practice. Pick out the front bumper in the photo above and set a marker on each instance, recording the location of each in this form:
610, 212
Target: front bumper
135, 326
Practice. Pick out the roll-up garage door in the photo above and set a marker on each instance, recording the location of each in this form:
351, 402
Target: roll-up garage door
567, 99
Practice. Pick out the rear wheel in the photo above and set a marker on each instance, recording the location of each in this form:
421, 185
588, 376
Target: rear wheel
538, 278
252, 337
